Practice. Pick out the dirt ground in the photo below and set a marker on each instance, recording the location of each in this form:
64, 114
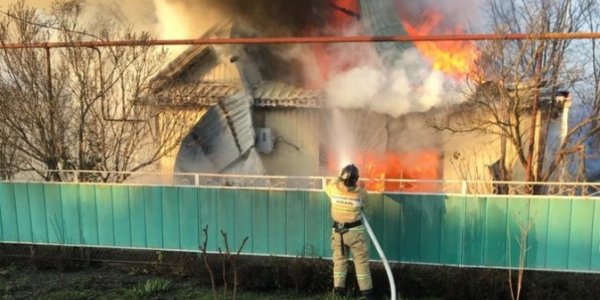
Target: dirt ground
55, 272
109, 282
84, 273
47, 277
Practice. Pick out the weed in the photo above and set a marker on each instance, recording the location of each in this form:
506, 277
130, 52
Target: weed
6, 288
152, 287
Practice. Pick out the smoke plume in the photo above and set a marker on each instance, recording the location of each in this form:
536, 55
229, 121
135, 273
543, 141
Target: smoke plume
462, 13
408, 82
190, 18
410, 85
269, 17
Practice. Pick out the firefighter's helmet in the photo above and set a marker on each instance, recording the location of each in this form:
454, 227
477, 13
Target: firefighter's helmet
349, 175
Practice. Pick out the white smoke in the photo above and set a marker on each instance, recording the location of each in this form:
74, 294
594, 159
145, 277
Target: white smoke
410, 85
355, 88
465, 13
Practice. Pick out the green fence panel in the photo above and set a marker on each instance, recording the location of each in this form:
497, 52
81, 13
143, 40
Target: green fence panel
137, 208
375, 214
277, 224
37, 208
518, 228
225, 200
104, 204
170, 218
432, 208
451, 232
208, 217
4, 207
595, 260
8, 213
121, 216
88, 212
243, 220
539, 214
23, 212
317, 226
294, 223
580, 235
559, 233
154, 217
189, 217
387, 219
53, 215
71, 218
260, 222
412, 213
495, 235
475, 215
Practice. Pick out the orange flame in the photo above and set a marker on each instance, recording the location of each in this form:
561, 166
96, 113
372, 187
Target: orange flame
377, 171
456, 58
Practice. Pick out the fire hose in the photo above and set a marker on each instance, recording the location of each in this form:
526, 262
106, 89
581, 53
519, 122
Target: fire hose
386, 265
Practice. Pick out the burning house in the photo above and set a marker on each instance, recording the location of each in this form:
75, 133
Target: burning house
307, 110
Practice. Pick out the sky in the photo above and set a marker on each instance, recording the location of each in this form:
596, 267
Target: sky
168, 19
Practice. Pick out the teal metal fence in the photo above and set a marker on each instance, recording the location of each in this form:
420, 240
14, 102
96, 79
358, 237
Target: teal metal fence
558, 233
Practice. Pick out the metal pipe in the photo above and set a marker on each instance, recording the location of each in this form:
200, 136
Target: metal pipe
386, 265
315, 39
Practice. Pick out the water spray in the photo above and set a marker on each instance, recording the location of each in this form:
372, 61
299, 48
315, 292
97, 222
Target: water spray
386, 265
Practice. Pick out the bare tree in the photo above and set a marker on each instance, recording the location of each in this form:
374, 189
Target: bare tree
10, 157
592, 57
516, 287
590, 92
76, 108
516, 90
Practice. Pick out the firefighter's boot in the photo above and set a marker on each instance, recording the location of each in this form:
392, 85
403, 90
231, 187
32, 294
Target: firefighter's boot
367, 295
339, 292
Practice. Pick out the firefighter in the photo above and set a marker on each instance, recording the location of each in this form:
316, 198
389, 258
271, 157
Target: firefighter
348, 233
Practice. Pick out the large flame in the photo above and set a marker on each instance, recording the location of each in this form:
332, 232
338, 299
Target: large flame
379, 172
456, 58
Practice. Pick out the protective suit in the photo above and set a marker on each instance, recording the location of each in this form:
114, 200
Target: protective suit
348, 235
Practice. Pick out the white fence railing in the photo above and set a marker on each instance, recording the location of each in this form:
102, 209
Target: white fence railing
470, 187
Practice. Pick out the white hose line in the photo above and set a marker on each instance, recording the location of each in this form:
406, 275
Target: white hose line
386, 265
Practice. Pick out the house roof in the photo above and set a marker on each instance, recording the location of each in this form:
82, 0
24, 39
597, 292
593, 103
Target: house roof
169, 90
277, 94
207, 94
193, 95
192, 54
378, 16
